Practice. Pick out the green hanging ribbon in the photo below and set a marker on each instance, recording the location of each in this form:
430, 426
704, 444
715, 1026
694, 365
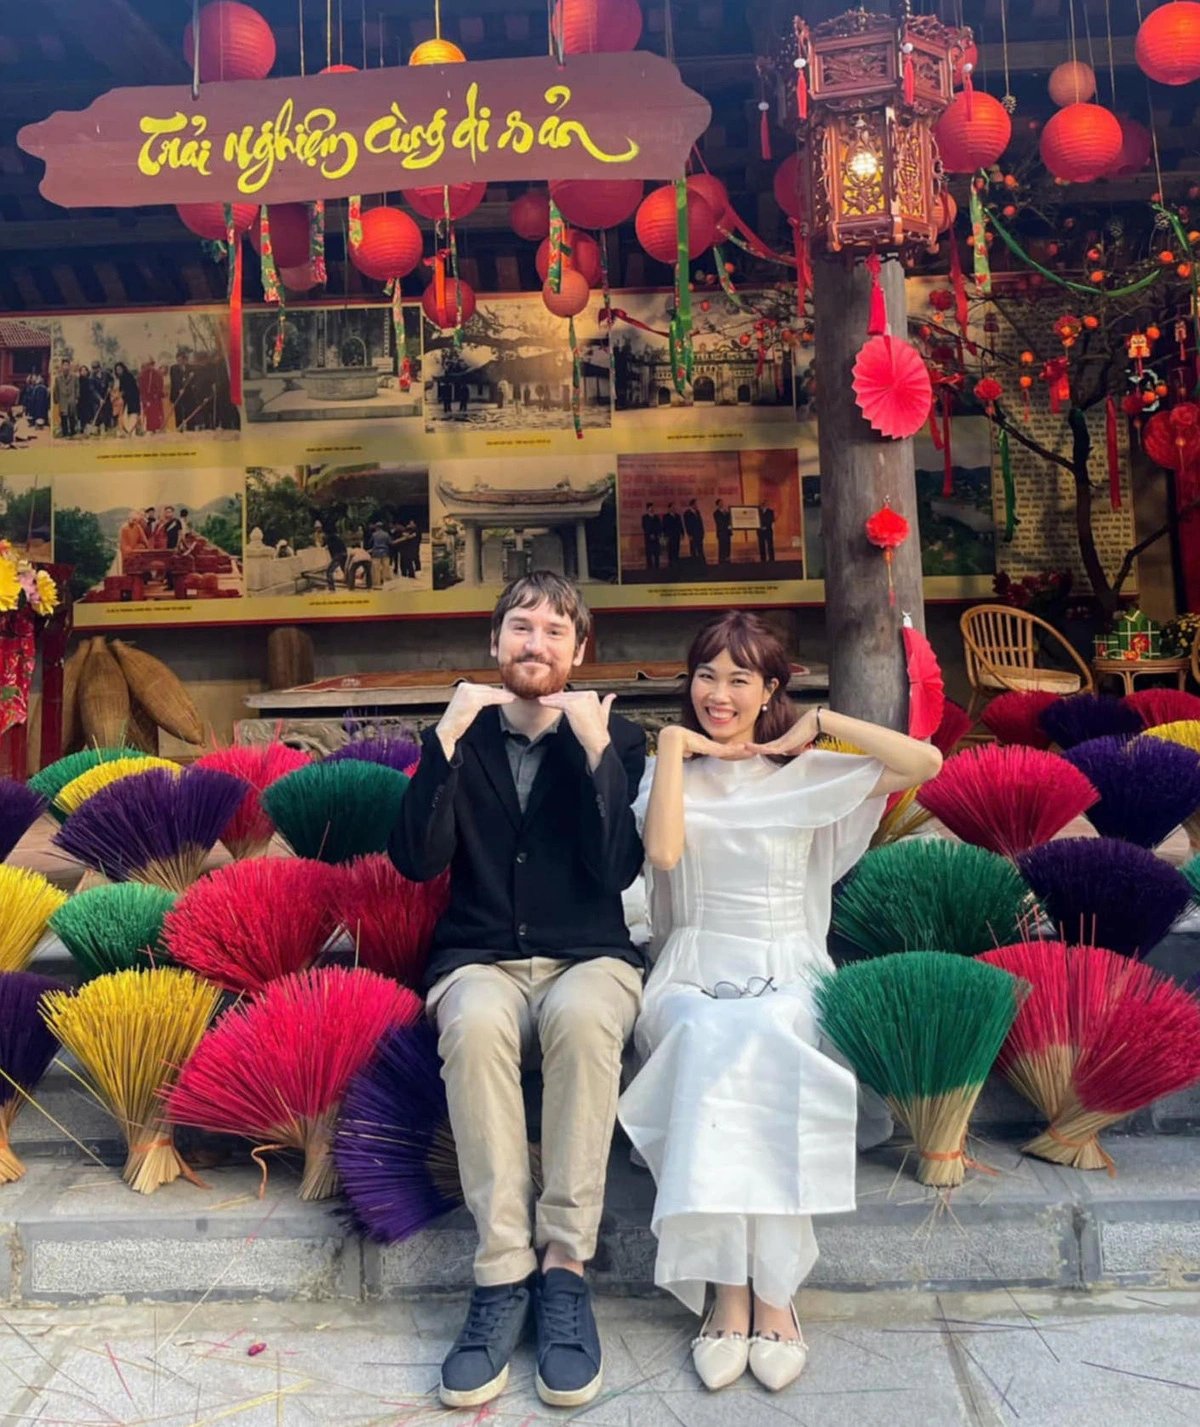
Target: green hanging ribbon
354, 215
608, 317
557, 231
453, 246
272, 287
762, 256
681, 318
727, 286
316, 240
1010, 490
1089, 288
983, 271
1181, 238
576, 381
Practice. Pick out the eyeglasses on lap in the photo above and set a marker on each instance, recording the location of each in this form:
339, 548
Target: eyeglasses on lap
732, 991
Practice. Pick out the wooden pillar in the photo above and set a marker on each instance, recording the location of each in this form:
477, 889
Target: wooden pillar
859, 470
290, 657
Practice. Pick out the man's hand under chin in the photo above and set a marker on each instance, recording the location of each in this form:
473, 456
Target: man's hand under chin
587, 715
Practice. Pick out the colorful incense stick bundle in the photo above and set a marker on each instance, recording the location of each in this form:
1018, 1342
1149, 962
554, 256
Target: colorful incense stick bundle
54, 777
336, 811
251, 922
401, 754
74, 794
114, 927
131, 1031
1086, 716
27, 1046
1158, 706
1016, 717
275, 1067
389, 919
20, 808
1007, 799
1147, 786
923, 1030
1187, 734
27, 902
954, 726
249, 831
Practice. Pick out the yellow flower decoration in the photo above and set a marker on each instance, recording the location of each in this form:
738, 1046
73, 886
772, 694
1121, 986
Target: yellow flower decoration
47, 593
10, 586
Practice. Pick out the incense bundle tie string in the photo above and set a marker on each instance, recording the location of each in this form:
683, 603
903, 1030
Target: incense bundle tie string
945, 1156
256, 1154
167, 1143
1092, 1141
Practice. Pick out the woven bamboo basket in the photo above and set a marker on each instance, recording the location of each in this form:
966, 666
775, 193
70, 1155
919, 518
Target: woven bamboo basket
103, 697
160, 692
142, 732
72, 730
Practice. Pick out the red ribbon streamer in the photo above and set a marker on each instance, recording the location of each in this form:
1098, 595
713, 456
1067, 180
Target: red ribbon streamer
235, 325
1114, 453
618, 314
961, 307
804, 277
947, 455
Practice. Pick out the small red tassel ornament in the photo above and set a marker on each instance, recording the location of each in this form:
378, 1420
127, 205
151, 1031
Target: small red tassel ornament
801, 88
989, 391
877, 324
910, 77
764, 131
1114, 454
887, 529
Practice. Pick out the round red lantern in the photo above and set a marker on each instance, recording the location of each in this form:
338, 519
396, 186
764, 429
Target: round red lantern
656, 225
949, 211
596, 26
458, 294
235, 43
716, 195
1136, 146
207, 220
298, 279
339, 69
437, 51
597, 202
1168, 43
431, 203
391, 245
1081, 142
584, 257
572, 296
788, 186
9, 396
972, 133
1073, 82
289, 234
529, 215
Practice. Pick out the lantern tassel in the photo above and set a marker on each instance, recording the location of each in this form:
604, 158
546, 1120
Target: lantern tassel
877, 323
1010, 491
969, 92
1114, 453
801, 93
910, 77
764, 133
935, 434
887, 559
947, 453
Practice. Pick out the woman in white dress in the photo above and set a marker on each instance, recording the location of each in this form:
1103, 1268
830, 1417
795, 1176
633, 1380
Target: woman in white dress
746, 1124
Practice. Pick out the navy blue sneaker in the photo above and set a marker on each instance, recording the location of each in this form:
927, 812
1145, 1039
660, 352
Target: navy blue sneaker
476, 1367
569, 1360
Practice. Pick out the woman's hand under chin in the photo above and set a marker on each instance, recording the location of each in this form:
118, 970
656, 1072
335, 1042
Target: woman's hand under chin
800, 736
690, 744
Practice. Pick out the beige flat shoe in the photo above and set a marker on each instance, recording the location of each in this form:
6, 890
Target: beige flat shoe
719, 1361
778, 1362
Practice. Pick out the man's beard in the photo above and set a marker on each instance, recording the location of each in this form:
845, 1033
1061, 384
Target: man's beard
530, 680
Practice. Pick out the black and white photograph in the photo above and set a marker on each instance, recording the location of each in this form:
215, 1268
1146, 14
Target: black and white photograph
25, 378
513, 370
336, 528
331, 364
747, 358
496, 520
154, 376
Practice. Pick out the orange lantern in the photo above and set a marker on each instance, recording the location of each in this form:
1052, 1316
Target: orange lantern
289, 234
1073, 82
968, 141
597, 202
597, 26
391, 245
1081, 142
235, 43
584, 257
457, 294
1136, 147
529, 215
656, 225
436, 51
431, 202
1168, 43
207, 220
949, 212
572, 296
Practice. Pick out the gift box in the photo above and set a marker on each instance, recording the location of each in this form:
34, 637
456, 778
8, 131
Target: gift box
1136, 636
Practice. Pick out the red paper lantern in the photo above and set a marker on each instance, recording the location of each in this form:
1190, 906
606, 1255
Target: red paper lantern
1073, 82
972, 135
598, 26
437, 51
207, 220
788, 186
9, 396
339, 69
584, 257
431, 202
1136, 147
529, 215
597, 202
572, 296
235, 43
391, 245
458, 293
716, 195
1168, 43
298, 279
1081, 142
656, 225
289, 234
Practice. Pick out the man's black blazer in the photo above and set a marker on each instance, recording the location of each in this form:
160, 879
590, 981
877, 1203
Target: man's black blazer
548, 883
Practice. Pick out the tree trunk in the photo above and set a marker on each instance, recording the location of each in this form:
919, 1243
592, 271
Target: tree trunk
1081, 450
859, 471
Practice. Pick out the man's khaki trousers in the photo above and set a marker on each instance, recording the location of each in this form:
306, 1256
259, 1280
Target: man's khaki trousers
489, 1017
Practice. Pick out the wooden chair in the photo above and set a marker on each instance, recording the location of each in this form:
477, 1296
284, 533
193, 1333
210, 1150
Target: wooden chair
1000, 645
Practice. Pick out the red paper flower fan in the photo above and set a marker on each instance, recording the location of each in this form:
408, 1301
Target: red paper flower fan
926, 687
892, 387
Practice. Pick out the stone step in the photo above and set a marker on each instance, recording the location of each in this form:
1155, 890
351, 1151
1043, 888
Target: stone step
72, 1233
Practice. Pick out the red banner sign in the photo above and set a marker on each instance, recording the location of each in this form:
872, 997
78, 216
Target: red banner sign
330, 135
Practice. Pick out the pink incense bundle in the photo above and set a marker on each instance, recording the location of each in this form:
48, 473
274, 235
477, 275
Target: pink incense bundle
1015, 717
248, 923
955, 725
273, 1069
389, 919
1007, 798
1158, 706
249, 831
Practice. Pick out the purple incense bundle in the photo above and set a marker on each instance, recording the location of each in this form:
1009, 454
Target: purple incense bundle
158, 827
393, 1146
397, 753
1147, 786
27, 1046
1102, 892
20, 808
1085, 716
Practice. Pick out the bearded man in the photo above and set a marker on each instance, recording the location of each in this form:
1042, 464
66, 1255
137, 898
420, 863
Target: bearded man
524, 792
